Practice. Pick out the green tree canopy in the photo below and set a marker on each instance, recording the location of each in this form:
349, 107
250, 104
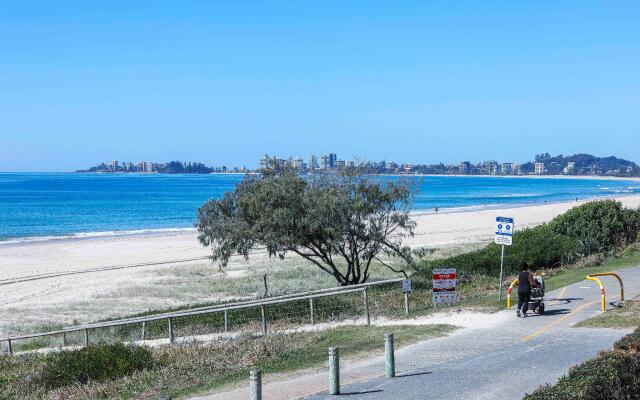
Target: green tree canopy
340, 223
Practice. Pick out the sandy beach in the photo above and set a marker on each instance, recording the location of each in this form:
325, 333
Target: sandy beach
58, 282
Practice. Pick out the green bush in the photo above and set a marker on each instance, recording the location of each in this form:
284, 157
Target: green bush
612, 376
98, 363
600, 226
536, 248
629, 343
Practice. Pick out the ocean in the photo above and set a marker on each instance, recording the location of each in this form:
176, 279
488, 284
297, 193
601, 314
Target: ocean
37, 206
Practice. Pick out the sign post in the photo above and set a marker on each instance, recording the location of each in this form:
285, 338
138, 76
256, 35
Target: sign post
406, 289
504, 236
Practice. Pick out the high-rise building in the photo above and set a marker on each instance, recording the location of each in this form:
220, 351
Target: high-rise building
298, 163
517, 168
491, 167
114, 165
340, 164
324, 162
333, 158
312, 164
465, 168
539, 168
507, 169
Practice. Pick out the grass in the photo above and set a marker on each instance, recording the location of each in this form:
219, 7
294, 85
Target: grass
185, 370
477, 293
627, 316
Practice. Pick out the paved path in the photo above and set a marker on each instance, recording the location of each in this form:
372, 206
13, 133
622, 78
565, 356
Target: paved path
507, 358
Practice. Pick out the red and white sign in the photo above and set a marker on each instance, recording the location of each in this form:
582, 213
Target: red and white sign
444, 286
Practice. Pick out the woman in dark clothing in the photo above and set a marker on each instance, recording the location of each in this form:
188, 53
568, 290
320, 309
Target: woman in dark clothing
525, 282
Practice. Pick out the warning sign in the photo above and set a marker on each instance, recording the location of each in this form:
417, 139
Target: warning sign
444, 286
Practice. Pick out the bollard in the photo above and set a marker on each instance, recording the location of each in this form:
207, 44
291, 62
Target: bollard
263, 310
334, 371
10, 347
171, 337
255, 379
365, 295
65, 343
143, 334
313, 321
86, 337
226, 320
389, 357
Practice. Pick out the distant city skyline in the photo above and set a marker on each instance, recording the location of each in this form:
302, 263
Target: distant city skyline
225, 83
541, 164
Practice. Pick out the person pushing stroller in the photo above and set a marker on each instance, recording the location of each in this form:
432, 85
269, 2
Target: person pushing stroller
526, 282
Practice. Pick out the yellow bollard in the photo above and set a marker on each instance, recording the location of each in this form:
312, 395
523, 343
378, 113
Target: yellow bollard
592, 278
515, 282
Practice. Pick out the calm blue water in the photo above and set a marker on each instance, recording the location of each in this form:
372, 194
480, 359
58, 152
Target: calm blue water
42, 205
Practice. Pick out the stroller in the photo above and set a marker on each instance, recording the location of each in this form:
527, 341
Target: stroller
536, 301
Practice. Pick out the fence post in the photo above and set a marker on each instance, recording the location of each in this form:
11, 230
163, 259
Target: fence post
10, 347
389, 355
263, 310
170, 323
144, 331
334, 371
64, 339
226, 320
86, 337
255, 379
313, 320
365, 295
406, 303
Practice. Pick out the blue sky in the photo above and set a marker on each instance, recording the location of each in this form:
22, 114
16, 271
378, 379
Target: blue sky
224, 82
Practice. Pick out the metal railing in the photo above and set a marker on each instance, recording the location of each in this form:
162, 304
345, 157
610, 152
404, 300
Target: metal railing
170, 317
594, 277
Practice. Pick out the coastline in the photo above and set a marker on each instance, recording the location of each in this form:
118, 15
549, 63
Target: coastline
143, 232
448, 227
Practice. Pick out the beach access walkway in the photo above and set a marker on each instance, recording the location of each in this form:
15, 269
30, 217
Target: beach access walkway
505, 358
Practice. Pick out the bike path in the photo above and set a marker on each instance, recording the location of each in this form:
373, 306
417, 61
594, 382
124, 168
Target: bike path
507, 360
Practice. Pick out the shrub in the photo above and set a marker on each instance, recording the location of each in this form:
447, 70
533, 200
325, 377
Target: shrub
632, 225
536, 248
98, 363
611, 376
599, 225
629, 343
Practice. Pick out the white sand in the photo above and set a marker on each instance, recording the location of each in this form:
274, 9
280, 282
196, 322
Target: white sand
97, 295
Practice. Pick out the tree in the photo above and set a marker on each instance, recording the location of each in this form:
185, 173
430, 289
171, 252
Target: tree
339, 222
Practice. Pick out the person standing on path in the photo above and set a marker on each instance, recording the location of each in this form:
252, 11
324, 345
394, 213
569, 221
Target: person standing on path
525, 283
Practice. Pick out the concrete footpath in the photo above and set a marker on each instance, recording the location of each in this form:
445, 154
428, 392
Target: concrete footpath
505, 358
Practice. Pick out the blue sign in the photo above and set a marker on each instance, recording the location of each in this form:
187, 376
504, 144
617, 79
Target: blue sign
504, 230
